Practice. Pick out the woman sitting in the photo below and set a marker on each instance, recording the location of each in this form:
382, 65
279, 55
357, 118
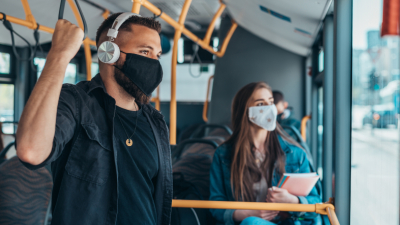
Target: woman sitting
249, 165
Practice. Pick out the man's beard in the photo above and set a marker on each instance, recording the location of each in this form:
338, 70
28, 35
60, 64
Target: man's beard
130, 87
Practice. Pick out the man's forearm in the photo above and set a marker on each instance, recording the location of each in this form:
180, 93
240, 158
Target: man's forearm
38, 120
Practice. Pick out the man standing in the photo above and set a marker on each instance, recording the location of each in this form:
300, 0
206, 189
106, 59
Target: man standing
108, 147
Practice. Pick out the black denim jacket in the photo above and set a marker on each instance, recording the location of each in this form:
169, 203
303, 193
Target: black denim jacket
84, 158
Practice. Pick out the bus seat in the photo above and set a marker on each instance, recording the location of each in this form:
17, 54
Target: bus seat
24, 194
206, 129
191, 172
196, 145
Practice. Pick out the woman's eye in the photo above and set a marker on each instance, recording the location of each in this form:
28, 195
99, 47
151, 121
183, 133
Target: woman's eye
260, 104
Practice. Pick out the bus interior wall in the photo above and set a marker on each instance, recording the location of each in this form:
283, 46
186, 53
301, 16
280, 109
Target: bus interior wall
249, 58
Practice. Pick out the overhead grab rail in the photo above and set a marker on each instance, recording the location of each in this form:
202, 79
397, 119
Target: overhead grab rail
207, 101
31, 23
179, 29
323, 209
303, 128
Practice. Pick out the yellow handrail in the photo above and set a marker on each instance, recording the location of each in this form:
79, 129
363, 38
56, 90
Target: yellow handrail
86, 45
30, 23
179, 30
205, 107
28, 13
304, 127
323, 209
105, 14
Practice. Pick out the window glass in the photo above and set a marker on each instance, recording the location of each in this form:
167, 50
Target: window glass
190, 86
94, 69
7, 107
321, 61
320, 130
375, 113
70, 74
4, 63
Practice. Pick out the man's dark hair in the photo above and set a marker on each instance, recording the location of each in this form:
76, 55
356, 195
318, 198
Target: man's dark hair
278, 96
144, 21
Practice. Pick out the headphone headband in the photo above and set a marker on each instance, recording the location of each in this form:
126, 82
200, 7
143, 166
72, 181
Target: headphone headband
113, 31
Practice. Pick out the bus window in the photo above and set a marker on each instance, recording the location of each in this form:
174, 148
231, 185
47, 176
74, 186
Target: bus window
375, 113
70, 74
7, 107
320, 131
4, 63
94, 69
190, 86
321, 61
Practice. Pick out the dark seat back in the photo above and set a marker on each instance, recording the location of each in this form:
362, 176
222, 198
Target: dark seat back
24, 194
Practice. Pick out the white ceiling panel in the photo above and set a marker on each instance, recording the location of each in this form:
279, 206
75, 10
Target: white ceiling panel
290, 24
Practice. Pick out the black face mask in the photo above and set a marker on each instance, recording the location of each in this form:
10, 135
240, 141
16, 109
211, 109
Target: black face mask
145, 73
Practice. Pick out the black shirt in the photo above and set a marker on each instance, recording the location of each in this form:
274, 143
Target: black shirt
137, 168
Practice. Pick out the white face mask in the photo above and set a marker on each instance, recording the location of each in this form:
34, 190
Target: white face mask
264, 116
286, 113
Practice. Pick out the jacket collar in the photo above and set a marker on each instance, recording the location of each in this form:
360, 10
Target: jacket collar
95, 83
284, 145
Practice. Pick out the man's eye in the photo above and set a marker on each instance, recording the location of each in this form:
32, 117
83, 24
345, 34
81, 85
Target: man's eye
144, 52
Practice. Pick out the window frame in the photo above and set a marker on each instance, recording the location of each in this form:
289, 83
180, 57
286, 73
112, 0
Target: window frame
10, 77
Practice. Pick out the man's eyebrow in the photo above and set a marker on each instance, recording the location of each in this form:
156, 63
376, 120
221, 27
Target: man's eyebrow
146, 46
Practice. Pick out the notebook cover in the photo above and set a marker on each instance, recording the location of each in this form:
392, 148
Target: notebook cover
299, 186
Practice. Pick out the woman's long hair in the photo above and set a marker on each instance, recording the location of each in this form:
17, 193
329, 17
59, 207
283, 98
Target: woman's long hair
244, 171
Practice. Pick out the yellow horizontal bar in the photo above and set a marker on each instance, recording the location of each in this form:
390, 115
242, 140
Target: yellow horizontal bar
28, 24
186, 32
245, 205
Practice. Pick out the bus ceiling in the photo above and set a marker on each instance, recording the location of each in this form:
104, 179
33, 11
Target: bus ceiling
287, 24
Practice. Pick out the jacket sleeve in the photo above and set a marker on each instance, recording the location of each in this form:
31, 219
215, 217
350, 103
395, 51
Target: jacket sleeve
312, 197
65, 125
217, 192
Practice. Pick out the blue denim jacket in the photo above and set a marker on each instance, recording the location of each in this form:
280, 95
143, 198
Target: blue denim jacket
220, 185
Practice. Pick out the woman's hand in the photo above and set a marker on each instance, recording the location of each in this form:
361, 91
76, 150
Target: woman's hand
239, 214
279, 195
268, 215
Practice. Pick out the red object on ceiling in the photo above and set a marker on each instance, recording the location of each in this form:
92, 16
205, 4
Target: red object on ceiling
391, 17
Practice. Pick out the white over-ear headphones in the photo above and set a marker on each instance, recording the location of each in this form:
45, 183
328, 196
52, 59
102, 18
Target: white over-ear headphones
108, 51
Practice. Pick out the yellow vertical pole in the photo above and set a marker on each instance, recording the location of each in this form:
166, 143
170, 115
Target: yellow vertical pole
178, 33
28, 14
158, 106
86, 45
136, 6
212, 24
105, 14
88, 57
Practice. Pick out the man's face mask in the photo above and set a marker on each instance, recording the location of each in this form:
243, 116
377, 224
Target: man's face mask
145, 73
264, 116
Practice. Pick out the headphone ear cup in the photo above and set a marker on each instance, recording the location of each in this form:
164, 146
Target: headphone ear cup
108, 52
